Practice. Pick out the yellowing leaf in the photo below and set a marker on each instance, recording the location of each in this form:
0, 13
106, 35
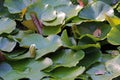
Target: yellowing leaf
23, 12
114, 21
29, 24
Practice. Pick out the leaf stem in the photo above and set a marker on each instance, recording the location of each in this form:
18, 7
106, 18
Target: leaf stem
37, 22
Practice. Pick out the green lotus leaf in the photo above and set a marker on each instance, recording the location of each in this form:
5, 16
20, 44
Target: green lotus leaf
58, 21
49, 14
99, 72
7, 25
3, 10
44, 12
7, 44
112, 66
56, 3
66, 40
105, 72
118, 8
4, 68
51, 30
70, 11
61, 58
92, 56
44, 45
114, 21
97, 11
16, 6
32, 70
37, 7
64, 73
91, 27
113, 36
110, 2
84, 41
21, 53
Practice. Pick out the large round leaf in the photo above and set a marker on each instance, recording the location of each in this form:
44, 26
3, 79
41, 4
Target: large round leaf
60, 58
45, 12
44, 45
96, 11
31, 69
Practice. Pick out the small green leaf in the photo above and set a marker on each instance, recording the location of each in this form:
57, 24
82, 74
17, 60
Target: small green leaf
7, 44
58, 21
92, 56
65, 39
114, 21
51, 30
118, 8
113, 36
7, 25
49, 14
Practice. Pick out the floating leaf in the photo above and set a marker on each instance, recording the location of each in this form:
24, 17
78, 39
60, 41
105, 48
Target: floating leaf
7, 25
44, 45
113, 66
22, 53
113, 37
110, 69
70, 11
91, 27
30, 25
91, 57
56, 3
96, 11
4, 68
100, 67
49, 14
61, 58
16, 6
3, 10
51, 30
65, 39
58, 21
64, 73
113, 21
6, 44
32, 70
118, 8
